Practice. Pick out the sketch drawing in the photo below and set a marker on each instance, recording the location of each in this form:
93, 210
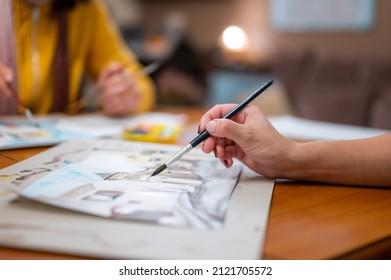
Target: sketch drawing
111, 178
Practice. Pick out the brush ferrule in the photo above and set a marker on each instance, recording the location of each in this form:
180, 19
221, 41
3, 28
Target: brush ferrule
179, 155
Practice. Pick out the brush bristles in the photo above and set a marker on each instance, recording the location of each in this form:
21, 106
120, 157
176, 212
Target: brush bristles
159, 169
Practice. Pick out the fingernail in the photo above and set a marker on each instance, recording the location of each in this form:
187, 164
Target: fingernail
211, 127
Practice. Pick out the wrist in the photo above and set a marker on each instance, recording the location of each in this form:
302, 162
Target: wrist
295, 161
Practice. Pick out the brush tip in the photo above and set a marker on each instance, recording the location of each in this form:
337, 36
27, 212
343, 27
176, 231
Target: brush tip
159, 169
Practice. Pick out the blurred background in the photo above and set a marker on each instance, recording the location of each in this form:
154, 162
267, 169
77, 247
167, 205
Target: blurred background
330, 59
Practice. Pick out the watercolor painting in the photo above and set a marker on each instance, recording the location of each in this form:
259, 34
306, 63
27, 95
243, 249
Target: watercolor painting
96, 198
18, 132
111, 178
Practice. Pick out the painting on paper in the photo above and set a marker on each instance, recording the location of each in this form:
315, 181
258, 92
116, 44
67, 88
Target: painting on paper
111, 178
18, 132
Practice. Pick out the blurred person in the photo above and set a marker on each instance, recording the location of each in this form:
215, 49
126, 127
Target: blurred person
46, 46
251, 138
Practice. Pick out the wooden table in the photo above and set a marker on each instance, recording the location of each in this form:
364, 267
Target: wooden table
307, 220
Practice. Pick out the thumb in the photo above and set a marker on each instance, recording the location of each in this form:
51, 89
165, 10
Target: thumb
226, 128
6, 73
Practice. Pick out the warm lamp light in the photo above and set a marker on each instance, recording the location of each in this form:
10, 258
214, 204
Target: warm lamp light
234, 39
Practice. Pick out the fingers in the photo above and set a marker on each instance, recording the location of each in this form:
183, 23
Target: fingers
6, 73
209, 145
219, 149
6, 77
117, 83
227, 161
217, 112
119, 94
113, 68
229, 136
227, 129
119, 104
206, 123
4, 88
222, 149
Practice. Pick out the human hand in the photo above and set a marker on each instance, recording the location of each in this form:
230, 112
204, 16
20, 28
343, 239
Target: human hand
119, 93
249, 137
6, 78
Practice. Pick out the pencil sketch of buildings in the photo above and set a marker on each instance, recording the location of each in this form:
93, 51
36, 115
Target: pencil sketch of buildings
113, 180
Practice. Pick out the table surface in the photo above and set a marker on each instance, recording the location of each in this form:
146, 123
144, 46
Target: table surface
307, 220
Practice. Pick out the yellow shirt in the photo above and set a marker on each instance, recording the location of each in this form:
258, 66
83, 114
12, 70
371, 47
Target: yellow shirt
93, 43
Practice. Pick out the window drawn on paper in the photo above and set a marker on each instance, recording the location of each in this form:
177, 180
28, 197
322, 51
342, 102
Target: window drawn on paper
113, 180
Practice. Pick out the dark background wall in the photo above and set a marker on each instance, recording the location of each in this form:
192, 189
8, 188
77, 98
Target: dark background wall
207, 19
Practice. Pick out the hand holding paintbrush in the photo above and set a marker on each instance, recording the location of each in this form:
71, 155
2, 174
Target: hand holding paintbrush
6, 78
115, 89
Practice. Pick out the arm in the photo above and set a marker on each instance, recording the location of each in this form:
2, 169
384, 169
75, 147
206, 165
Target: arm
117, 70
251, 138
353, 162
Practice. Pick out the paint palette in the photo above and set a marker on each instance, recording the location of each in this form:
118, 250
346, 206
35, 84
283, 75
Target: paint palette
153, 132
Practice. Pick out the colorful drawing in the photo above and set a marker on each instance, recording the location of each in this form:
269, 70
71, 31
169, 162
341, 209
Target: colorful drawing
20, 133
17, 132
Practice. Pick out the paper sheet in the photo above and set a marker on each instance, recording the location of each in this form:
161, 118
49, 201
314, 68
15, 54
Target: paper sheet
305, 129
192, 210
17, 132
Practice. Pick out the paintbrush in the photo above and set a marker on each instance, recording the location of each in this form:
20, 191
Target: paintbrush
205, 134
29, 115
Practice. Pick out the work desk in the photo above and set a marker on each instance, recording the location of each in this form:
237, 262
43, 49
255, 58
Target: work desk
307, 220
